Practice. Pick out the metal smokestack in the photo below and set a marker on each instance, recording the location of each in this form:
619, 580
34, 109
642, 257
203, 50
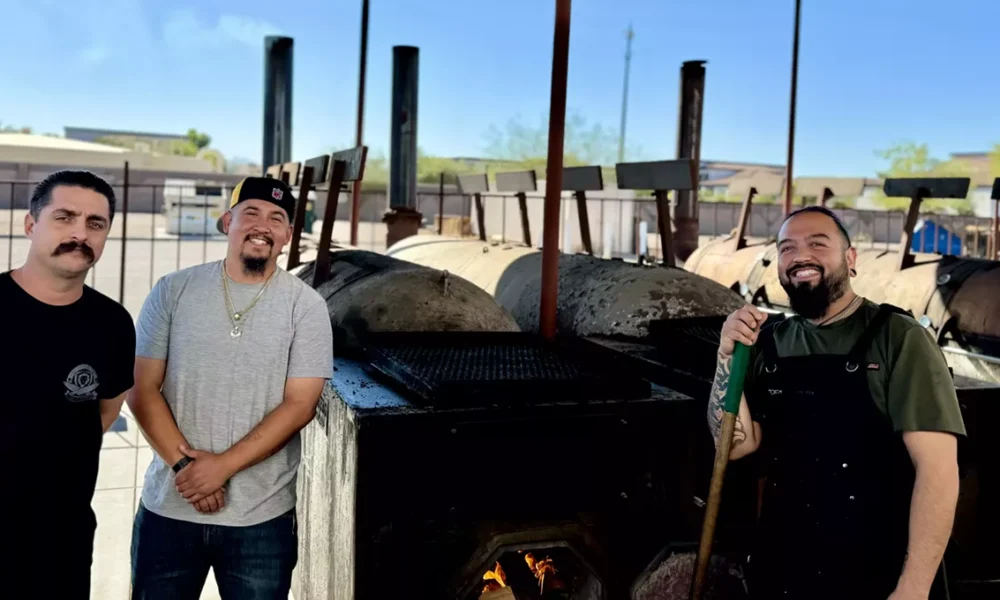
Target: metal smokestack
403, 145
692, 100
277, 100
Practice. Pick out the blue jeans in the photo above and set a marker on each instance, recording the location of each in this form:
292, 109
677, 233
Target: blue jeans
171, 558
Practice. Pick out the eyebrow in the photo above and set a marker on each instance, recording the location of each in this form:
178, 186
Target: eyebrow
72, 213
808, 237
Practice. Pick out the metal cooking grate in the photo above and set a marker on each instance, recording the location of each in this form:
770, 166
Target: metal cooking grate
475, 369
484, 363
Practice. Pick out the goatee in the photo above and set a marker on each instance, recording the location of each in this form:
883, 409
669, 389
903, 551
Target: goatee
253, 265
811, 301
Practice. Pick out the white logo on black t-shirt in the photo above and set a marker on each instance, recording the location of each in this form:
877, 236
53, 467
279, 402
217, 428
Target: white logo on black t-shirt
81, 384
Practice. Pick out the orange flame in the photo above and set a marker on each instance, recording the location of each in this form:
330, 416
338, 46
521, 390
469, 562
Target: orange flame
540, 568
496, 577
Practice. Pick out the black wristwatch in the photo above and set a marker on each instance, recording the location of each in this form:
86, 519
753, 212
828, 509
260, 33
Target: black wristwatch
182, 463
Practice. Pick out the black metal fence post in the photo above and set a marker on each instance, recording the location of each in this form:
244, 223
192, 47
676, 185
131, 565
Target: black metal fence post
10, 232
121, 278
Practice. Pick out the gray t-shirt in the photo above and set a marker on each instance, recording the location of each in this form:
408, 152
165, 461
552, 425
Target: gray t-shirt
220, 387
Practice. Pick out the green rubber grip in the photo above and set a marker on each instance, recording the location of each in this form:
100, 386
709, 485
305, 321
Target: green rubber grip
737, 373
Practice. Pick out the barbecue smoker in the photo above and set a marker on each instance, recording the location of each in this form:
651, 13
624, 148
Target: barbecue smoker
454, 456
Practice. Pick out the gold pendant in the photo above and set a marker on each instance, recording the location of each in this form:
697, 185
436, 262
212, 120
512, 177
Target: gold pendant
236, 316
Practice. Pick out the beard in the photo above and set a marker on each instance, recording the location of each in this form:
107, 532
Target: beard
256, 265
812, 301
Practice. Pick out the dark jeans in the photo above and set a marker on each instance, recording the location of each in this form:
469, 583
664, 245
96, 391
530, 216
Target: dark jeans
171, 558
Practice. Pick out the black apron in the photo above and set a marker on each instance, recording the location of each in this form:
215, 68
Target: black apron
838, 480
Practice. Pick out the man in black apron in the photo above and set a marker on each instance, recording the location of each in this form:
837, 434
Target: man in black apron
852, 416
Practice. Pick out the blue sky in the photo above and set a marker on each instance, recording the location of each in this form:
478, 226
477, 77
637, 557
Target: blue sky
871, 73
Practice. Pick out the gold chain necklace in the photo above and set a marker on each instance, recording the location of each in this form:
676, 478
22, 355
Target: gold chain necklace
849, 310
238, 317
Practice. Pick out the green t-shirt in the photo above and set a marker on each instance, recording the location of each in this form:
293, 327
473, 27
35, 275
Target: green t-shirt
912, 385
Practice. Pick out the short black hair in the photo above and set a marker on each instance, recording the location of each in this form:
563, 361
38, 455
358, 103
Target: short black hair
42, 195
825, 211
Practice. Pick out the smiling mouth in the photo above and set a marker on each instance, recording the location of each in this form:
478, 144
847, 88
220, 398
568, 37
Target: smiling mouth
258, 240
804, 274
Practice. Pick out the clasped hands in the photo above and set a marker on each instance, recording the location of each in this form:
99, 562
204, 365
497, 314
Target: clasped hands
202, 482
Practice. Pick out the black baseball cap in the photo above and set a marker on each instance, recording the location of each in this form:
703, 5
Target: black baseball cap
262, 188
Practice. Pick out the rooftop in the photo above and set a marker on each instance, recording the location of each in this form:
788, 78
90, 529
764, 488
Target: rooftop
28, 140
90, 133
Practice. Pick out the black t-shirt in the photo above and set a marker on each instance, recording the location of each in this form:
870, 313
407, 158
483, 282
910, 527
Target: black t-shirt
58, 363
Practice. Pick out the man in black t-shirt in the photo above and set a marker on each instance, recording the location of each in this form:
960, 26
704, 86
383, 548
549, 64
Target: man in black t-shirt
68, 354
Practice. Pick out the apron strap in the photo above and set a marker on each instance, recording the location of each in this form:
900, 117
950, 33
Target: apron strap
857, 353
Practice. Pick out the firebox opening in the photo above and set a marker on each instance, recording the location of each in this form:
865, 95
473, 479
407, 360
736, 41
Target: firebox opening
551, 572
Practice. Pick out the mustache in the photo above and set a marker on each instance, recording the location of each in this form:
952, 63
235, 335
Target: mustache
67, 247
795, 268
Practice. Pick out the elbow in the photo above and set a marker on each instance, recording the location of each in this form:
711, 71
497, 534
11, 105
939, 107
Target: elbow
304, 413
747, 448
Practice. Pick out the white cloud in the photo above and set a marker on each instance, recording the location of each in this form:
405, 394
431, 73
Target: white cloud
184, 30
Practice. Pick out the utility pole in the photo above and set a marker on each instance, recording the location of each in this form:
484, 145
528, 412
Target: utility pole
789, 177
628, 61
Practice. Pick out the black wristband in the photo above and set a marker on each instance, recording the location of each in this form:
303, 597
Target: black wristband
182, 463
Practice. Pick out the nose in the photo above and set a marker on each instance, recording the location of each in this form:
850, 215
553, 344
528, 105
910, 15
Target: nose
79, 231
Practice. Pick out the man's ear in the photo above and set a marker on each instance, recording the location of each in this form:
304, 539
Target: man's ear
227, 218
852, 260
29, 224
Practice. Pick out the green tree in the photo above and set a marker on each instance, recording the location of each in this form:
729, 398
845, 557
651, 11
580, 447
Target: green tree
12, 129
995, 161
199, 139
583, 143
915, 160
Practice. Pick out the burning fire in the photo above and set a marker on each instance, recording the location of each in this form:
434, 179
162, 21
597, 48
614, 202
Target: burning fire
497, 579
540, 569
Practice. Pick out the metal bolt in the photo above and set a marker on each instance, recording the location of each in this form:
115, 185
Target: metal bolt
624, 495
454, 431
624, 422
844, 465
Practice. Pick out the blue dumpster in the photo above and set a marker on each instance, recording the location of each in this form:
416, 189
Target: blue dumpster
933, 238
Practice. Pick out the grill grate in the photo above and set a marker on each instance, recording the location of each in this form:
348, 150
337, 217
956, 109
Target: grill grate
479, 369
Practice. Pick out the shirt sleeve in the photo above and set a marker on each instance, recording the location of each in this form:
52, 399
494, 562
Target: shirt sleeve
123, 357
311, 353
921, 394
152, 329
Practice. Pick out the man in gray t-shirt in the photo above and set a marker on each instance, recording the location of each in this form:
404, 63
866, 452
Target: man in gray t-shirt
231, 358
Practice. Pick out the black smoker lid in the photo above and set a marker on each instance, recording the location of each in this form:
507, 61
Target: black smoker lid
481, 369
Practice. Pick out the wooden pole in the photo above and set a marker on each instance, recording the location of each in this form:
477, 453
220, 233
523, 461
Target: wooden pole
741, 360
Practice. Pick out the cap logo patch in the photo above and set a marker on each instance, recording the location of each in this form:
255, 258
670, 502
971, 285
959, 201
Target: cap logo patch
277, 194
873, 366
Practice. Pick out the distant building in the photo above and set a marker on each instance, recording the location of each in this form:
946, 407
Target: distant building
26, 159
981, 184
87, 134
725, 178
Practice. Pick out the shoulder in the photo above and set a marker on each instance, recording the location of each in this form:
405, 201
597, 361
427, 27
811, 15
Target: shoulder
109, 311
902, 334
173, 284
304, 297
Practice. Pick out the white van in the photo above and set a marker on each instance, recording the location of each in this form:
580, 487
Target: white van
192, 207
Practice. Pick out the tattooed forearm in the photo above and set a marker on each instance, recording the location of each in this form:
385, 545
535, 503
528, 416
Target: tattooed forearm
718, 397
